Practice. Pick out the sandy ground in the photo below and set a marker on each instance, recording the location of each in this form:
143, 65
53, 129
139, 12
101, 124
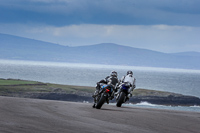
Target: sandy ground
20, 115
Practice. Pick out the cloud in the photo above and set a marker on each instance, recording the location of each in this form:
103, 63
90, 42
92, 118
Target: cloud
163, 38
167, 26
119, 12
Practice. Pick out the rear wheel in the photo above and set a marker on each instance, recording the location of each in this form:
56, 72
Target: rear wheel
121, 99
101, 102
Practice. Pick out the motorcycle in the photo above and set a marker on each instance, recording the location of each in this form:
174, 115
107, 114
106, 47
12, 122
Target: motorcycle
122, 95
103, 96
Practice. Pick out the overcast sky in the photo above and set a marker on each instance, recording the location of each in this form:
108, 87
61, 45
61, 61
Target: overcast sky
160, 25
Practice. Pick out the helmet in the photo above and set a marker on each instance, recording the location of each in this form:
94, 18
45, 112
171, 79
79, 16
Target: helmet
113, 73
129, 72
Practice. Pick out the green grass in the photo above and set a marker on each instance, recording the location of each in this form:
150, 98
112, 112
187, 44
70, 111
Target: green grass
146, 92
16, 82
9, 86
71, 88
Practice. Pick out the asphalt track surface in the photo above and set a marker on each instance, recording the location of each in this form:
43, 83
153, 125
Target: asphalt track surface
21, 115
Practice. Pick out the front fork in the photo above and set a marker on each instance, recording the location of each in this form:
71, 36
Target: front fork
118, 93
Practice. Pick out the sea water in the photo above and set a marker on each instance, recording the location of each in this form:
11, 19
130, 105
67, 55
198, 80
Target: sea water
181, 81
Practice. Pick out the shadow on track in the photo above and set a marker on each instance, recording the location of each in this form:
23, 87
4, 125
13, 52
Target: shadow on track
115, 108
109, 109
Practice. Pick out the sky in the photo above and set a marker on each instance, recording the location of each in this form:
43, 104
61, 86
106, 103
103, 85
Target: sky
161, 25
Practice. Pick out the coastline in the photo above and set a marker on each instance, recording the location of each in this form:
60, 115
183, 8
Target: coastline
48, 91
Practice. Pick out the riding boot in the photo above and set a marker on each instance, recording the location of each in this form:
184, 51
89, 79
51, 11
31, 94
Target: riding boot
130, 94
116, 93
112, 95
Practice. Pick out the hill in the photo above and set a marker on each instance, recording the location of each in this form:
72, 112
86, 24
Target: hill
19, 48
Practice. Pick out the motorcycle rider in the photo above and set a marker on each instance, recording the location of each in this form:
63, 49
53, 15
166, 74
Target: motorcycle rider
111, 80
128, 78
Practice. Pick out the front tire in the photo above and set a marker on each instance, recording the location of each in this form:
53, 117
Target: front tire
121, 99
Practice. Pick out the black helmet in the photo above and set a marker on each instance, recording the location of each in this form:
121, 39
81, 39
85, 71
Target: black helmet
113, 73
129, 72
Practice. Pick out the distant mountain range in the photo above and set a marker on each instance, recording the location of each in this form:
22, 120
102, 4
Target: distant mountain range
19, 48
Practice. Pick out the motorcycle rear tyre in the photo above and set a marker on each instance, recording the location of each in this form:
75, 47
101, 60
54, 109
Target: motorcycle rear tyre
120, 99
100, 102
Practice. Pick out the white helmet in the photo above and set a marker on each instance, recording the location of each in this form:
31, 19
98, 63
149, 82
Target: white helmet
129, 72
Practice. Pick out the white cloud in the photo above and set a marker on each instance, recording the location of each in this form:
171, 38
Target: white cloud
162, 38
